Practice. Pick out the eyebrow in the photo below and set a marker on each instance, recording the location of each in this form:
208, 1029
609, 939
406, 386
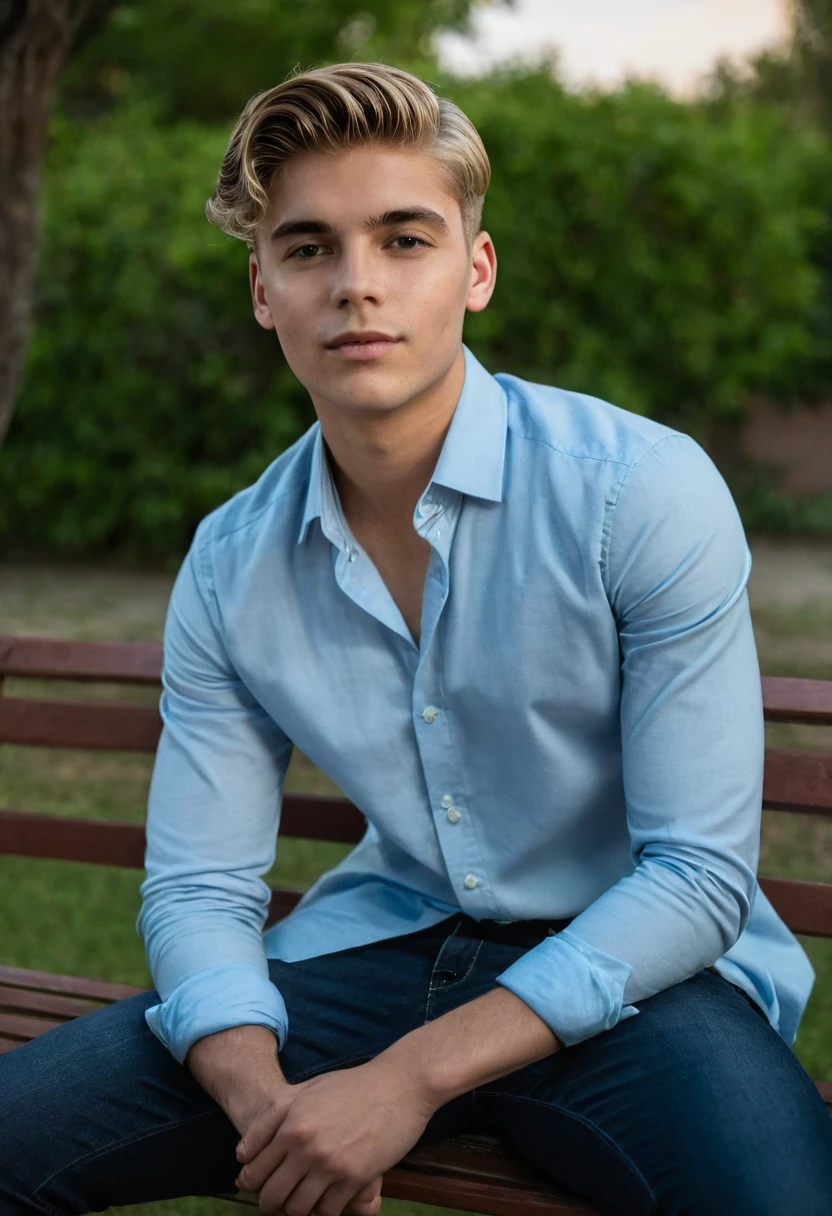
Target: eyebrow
406, 215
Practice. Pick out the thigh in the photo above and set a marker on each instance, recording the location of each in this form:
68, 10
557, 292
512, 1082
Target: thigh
97, 1113
694, 1106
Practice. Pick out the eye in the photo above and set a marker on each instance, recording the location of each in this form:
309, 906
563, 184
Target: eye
305, 253
409, 242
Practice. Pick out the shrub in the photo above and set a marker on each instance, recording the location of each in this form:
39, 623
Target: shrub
658, 254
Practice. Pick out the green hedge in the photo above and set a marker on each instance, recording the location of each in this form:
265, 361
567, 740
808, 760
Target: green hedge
650, 252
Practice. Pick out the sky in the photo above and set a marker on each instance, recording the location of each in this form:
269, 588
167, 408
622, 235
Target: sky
603, 41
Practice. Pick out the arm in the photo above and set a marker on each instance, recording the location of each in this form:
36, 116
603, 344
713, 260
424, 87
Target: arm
211, 833
676, 567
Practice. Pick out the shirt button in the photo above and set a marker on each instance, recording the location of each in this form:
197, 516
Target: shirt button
469, 882
429, 713
447, 801
353, 555
453, 814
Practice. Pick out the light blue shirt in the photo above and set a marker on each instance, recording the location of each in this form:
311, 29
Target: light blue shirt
579, 731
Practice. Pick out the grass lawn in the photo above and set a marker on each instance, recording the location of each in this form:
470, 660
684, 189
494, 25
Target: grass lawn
60, 916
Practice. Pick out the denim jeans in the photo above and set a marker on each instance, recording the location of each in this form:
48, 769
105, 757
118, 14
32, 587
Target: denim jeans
694, 1106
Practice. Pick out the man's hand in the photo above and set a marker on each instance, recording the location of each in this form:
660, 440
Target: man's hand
239, 1068
323, 1144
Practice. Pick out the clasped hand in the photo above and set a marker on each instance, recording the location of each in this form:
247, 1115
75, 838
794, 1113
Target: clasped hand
323, 1144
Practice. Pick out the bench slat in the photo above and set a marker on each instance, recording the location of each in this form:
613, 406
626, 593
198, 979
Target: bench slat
106, 842
23, 834
31, 1001
789, 699
806, 907
46, 981
14, 1026
111, 662
488, 1198
115, 727
797, 781
481, 1158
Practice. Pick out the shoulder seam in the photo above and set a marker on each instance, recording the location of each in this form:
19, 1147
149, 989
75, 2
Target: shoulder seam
564, 451
631, 468
212, 536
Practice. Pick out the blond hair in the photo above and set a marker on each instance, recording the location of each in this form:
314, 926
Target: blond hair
335, 108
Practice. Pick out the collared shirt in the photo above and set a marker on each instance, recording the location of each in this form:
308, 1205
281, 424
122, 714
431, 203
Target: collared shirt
577, 733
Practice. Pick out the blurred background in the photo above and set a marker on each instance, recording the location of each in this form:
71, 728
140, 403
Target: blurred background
662, 209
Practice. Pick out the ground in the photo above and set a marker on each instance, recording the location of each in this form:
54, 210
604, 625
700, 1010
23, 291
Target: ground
60, 916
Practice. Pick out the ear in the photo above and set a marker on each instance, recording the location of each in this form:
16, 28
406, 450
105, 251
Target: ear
483, 273
262, 312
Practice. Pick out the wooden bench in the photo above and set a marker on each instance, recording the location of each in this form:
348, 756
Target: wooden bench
473, 1174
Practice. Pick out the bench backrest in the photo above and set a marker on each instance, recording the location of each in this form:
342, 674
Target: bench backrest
795, 781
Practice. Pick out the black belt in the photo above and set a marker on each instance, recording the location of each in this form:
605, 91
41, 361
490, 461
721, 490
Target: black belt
513, 933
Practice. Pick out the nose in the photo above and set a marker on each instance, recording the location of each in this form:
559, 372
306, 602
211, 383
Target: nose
358, 277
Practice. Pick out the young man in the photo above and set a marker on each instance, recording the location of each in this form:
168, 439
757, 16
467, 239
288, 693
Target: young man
511, 623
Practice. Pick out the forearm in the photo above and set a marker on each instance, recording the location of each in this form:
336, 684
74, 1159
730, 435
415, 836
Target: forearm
487, 1038
239, 1068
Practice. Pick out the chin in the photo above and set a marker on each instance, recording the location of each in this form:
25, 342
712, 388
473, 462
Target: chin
372, 388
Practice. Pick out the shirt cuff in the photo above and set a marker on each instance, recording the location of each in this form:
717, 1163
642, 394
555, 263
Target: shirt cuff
215, 999
575, 988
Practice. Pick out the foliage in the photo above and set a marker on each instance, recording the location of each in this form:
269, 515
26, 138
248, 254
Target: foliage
151, 393
203, 59
659, 257
766, 508
668, 257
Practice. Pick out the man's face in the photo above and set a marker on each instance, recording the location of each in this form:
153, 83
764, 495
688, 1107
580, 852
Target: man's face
363, 269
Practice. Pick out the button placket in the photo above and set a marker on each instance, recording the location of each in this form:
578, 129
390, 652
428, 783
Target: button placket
454, 829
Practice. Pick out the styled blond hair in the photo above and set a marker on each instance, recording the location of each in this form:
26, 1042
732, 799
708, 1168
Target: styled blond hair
335, 108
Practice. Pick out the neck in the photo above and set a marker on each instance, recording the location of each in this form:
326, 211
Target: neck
382, 463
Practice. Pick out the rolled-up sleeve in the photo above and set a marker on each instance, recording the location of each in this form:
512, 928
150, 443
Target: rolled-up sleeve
676, 564
213, 816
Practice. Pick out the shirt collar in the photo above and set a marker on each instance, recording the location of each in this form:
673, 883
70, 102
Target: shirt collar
317, 467
472, 456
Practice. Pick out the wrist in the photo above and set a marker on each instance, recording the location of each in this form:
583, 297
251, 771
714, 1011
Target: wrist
239, 1069
245, 1099
425, 1075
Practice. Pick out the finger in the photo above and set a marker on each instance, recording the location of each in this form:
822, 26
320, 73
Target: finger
278, 1187
253, 1175
337, 1199
307, 1194
258, 1136
368, 1200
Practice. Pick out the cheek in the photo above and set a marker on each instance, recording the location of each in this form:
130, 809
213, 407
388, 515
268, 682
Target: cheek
439, 291
290, 313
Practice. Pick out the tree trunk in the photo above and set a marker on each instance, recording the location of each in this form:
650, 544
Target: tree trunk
36, 37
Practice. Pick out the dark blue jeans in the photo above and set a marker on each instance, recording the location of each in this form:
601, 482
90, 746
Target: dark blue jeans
694, 1106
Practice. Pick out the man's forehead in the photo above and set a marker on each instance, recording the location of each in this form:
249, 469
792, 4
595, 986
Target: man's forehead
358, 186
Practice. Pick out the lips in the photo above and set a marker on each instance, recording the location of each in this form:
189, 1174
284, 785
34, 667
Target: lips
359, 338
363, 346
